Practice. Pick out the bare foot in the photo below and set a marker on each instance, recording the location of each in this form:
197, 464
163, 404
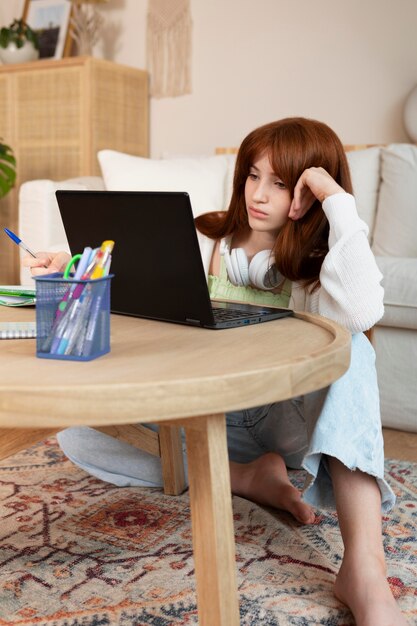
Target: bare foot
266, 481
364, 588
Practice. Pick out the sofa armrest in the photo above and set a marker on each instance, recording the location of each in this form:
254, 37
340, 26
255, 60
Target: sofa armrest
40, 224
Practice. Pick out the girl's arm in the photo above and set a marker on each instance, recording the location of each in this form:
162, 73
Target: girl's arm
350, 292
314, 183
46, 262
350, 282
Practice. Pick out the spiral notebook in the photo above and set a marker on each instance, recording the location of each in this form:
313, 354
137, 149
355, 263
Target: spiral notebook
17, 330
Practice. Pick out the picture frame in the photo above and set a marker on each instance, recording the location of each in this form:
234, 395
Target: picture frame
50, 19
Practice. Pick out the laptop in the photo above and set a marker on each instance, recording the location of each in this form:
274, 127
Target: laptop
156, 261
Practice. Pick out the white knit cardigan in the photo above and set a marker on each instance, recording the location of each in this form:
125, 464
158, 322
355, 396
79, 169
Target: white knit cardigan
350, 290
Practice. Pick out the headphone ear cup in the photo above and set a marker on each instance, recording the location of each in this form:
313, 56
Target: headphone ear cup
224, 250
240, 266
261, 271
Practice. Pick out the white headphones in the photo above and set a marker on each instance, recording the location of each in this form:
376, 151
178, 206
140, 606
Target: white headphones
261, 272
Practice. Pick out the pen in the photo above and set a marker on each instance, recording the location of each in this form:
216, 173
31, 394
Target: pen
90, 331
101, 259
83, 261
80, 309
52, 341
86, 342
69, 340
19, 242
70, 320
63, 331
81, 267
96, 266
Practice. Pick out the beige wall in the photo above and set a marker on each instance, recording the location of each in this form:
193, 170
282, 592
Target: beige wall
349, 63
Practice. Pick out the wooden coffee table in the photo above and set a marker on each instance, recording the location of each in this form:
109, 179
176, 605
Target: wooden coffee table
167, 373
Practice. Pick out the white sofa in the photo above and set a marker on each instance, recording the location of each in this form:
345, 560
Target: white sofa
385, 186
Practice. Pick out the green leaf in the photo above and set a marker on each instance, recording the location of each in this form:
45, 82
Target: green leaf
8, 172
4, 187
18, 32
4, 38
7, 169
8, 157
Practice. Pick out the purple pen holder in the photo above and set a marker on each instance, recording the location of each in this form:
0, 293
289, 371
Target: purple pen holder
72, 317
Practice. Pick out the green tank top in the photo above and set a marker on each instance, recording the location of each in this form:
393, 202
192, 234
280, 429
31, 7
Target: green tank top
221, 288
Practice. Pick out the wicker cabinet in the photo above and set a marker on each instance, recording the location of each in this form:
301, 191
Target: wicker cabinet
56, 115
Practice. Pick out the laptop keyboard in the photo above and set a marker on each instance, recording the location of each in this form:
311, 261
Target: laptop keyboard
222, 315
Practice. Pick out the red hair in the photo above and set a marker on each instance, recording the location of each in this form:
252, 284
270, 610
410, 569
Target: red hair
293, 145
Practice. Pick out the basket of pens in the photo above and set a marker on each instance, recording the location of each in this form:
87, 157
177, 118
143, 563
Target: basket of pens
73, 312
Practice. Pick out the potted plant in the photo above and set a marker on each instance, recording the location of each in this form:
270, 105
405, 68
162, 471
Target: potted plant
18, 43
7, 169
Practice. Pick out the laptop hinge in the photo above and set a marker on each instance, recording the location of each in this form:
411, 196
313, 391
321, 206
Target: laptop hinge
192, 321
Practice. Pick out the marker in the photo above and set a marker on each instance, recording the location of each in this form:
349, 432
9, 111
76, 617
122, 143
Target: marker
19, 242
101, 259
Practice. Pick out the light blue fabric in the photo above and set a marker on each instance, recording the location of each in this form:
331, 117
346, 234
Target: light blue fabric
342, 421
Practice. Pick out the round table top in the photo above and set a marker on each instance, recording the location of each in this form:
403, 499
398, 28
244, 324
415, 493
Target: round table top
162, 371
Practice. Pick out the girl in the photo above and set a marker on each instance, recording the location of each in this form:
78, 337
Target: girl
292, 237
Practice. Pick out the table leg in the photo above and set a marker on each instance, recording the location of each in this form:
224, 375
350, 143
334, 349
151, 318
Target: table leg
166, 443
212, 521
13, 440
172, 460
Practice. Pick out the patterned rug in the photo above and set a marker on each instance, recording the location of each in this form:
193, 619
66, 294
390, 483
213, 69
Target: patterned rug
75, 551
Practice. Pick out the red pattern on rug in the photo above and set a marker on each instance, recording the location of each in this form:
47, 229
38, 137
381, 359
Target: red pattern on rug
75, 551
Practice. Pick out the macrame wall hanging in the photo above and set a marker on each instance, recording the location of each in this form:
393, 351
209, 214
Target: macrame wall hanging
169, 28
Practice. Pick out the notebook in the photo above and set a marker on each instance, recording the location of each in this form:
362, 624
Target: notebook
17, 295
156, 262
17, 330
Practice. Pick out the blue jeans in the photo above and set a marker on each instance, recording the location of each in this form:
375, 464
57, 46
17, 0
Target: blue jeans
342, 421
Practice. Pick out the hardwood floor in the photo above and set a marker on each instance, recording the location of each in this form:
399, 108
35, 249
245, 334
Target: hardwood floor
398, 444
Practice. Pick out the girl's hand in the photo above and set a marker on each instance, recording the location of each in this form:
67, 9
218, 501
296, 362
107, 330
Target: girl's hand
314, 183
46, 262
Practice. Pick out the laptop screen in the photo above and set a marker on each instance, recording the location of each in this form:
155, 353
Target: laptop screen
156, 261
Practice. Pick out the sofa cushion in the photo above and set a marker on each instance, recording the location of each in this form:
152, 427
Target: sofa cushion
203, 178
396, 355
231, 163
400, 291
40, 222
364, 167
230, 171
89, 183
395, 232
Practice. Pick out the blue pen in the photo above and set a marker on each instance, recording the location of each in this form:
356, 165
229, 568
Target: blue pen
19, 242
